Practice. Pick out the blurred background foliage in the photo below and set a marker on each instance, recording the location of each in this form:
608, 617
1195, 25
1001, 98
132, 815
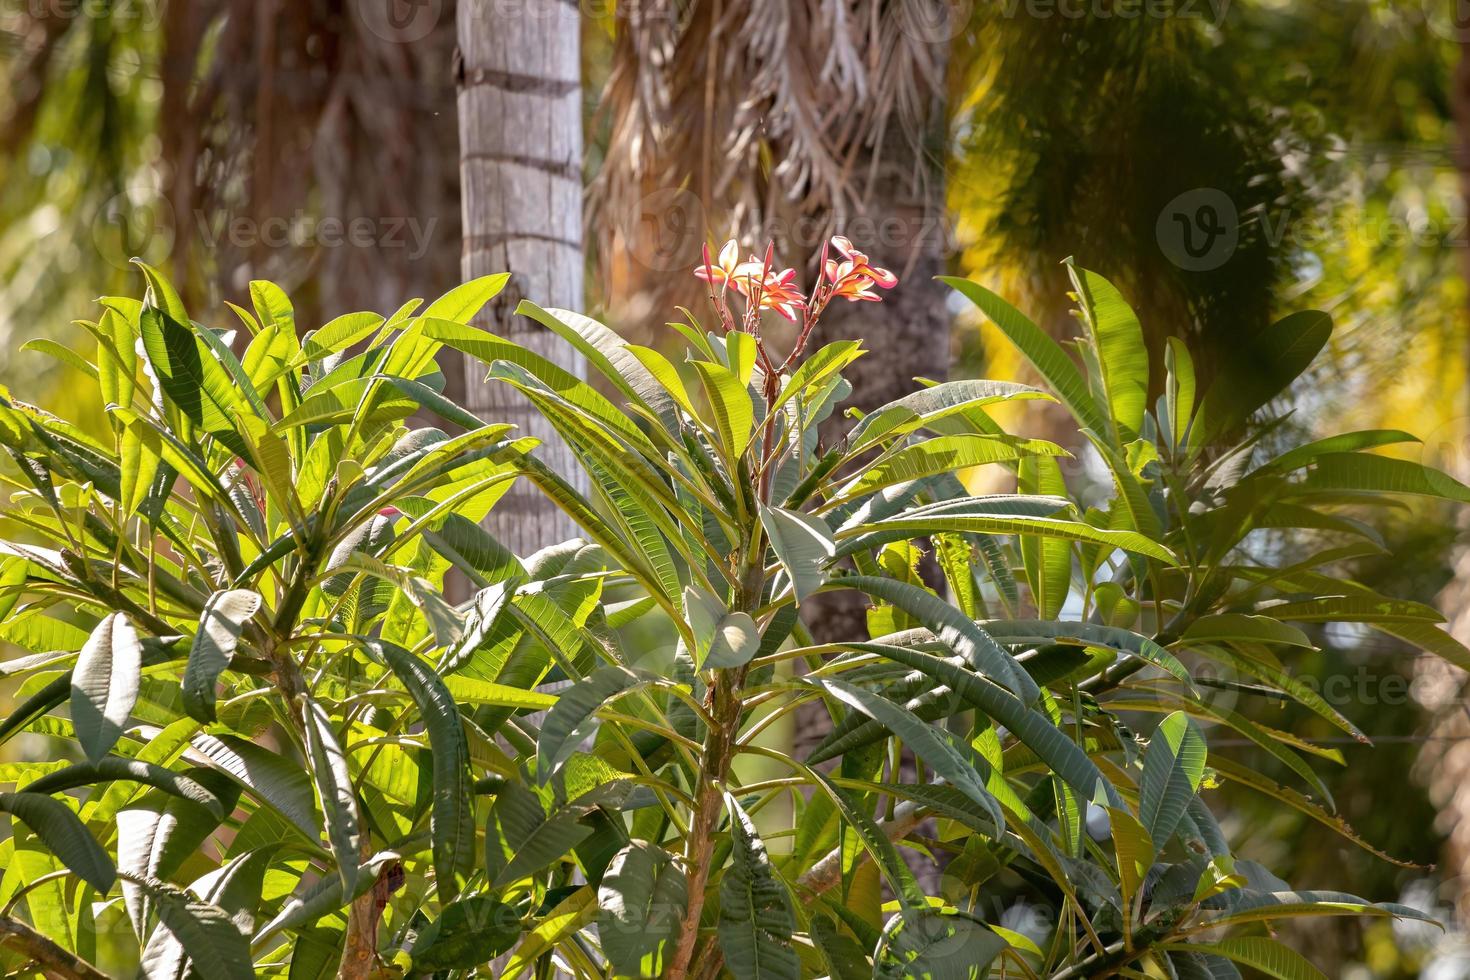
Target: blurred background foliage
176, 129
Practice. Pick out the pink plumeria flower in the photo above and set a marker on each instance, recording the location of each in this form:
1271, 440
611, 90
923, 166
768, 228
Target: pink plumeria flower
855, 288
855, 265
778, 290
720, 273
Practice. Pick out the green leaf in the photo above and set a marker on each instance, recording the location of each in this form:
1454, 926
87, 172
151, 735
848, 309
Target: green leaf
731, 402
1242, 628
339, 334
1121, 352
803, 544
569, 917
521, 839
936, 945
224, 618
269, 776
1032, 632
334, 789
452, 813
1173, 767
995, 515
1337, 472
1346, 442
1249, 905
736, 641
462, 303
944, 454
937, 749
611, 355
1260, 953
641, 903
468, 932
104, 685
64, 836
114, 768
947, 623
1044, 354
573, 716
1267, 364
1180, 393
200, 930
13, 574
756, 919
927, 406
1047, 560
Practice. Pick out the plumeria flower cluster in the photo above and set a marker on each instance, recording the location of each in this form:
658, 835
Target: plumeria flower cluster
763, 287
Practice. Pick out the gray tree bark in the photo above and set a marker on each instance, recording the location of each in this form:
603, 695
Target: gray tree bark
520, 129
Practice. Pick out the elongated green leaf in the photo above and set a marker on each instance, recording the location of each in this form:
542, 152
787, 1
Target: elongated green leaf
982, 520
732, 406
1346, 442
641, 903
935, 748
220, 625
579, 909
1335, 472
1121, 352
115, 768
469, 932
1173, 766
334, 789
104, 685
13, 574
64, 836
930, 405
1030, 727
452, 813
961, 635
1271, 957
1044, 354
569, 721
936, 945
1266, 364
1180, 393
1047, 560
269, 776
1250, 905
201, 931
1031, 632
609, 353
803, 544
756, 918
1239, 627
944, 454
462, 303
339, 334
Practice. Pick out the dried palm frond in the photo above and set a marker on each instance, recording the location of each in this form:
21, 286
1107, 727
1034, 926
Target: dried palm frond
768, 119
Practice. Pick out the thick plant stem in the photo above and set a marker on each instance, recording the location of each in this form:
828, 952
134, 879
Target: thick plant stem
724, 707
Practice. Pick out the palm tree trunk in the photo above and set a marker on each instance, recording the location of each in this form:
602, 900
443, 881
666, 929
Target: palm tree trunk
520, 126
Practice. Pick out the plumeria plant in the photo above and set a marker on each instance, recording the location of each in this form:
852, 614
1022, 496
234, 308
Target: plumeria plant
263, 741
